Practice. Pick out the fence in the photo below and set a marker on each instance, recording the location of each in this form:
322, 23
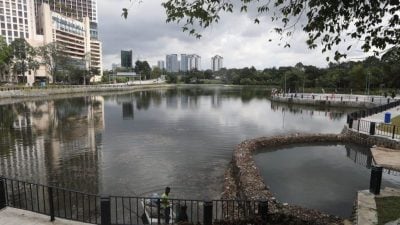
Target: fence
106, 210
355, 122
339, 97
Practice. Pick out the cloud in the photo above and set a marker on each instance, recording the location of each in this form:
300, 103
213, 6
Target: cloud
241, 42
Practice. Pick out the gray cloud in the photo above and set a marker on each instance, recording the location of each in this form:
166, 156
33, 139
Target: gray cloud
241, 42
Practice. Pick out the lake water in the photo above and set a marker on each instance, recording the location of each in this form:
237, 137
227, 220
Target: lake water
138, 143
324, 177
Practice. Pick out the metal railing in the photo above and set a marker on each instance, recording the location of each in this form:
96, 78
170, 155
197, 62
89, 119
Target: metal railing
338, 97
355, 122
96, 209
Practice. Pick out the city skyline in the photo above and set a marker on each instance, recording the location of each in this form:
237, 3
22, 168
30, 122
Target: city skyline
236, 37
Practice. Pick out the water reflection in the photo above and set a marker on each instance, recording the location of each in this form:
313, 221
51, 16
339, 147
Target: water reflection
139, 142
324, 177
34, 145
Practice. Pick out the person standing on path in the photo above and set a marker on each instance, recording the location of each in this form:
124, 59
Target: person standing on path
165, 204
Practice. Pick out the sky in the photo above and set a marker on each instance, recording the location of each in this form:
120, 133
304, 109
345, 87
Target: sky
236, 38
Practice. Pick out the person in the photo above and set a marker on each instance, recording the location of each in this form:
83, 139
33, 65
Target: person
165, 204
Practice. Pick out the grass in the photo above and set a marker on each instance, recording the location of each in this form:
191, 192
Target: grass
388, 209
389, 127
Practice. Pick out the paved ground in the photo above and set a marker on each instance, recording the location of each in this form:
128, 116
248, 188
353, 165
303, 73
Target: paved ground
366, 206
379, 117
12, 216
387, 158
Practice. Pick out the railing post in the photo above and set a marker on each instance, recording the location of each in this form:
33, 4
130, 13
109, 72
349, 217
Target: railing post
105, 210
51, 204
159, 211
263, 210
372, 128
394, 131
376, 180
3, 196
208, 213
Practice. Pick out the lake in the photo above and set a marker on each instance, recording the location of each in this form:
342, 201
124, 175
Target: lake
139, 142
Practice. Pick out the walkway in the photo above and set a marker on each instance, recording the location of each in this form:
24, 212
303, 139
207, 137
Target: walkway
366, 206
12, 216
379, 117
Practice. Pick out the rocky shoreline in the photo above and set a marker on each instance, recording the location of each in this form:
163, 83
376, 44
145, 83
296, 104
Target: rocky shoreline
243, 179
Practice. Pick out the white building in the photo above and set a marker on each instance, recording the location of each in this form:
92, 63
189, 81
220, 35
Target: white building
17, 19
216, 62
172, 63
184, 63
194, 62
39, 25
161, 64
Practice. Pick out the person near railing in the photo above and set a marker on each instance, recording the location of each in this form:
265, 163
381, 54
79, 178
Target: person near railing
165, 204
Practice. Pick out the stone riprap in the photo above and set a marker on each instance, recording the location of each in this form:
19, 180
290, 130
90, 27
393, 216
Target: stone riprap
243, 179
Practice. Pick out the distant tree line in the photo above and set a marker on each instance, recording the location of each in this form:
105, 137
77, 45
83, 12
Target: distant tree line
372, 73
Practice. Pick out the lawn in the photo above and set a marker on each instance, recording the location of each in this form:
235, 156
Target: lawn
388, 209
389, 127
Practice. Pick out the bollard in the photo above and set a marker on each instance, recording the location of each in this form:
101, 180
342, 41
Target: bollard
372, 128
51, 203
263, 210
208, 213
3, 197
394, 131
376, 180
159, 211
105, 210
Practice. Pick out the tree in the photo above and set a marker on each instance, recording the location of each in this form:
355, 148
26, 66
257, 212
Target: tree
327, 22
142, 68
5, 59
53, 58
23, 57
155, 73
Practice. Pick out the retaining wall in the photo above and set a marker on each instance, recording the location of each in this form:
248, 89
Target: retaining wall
29, 92
332, 103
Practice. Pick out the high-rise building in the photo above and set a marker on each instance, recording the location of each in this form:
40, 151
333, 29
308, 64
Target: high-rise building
161, 64
172, 63
17, 19
40, 24
194, 62
126, 59
216, 62
72, 34
184, 63
75, 9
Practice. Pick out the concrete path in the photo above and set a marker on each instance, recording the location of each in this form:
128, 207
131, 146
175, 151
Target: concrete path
366, 206
12, 216
379, 117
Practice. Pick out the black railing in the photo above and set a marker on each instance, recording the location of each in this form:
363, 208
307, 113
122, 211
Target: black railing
355, 122
95, 209
338, 97
51, 201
